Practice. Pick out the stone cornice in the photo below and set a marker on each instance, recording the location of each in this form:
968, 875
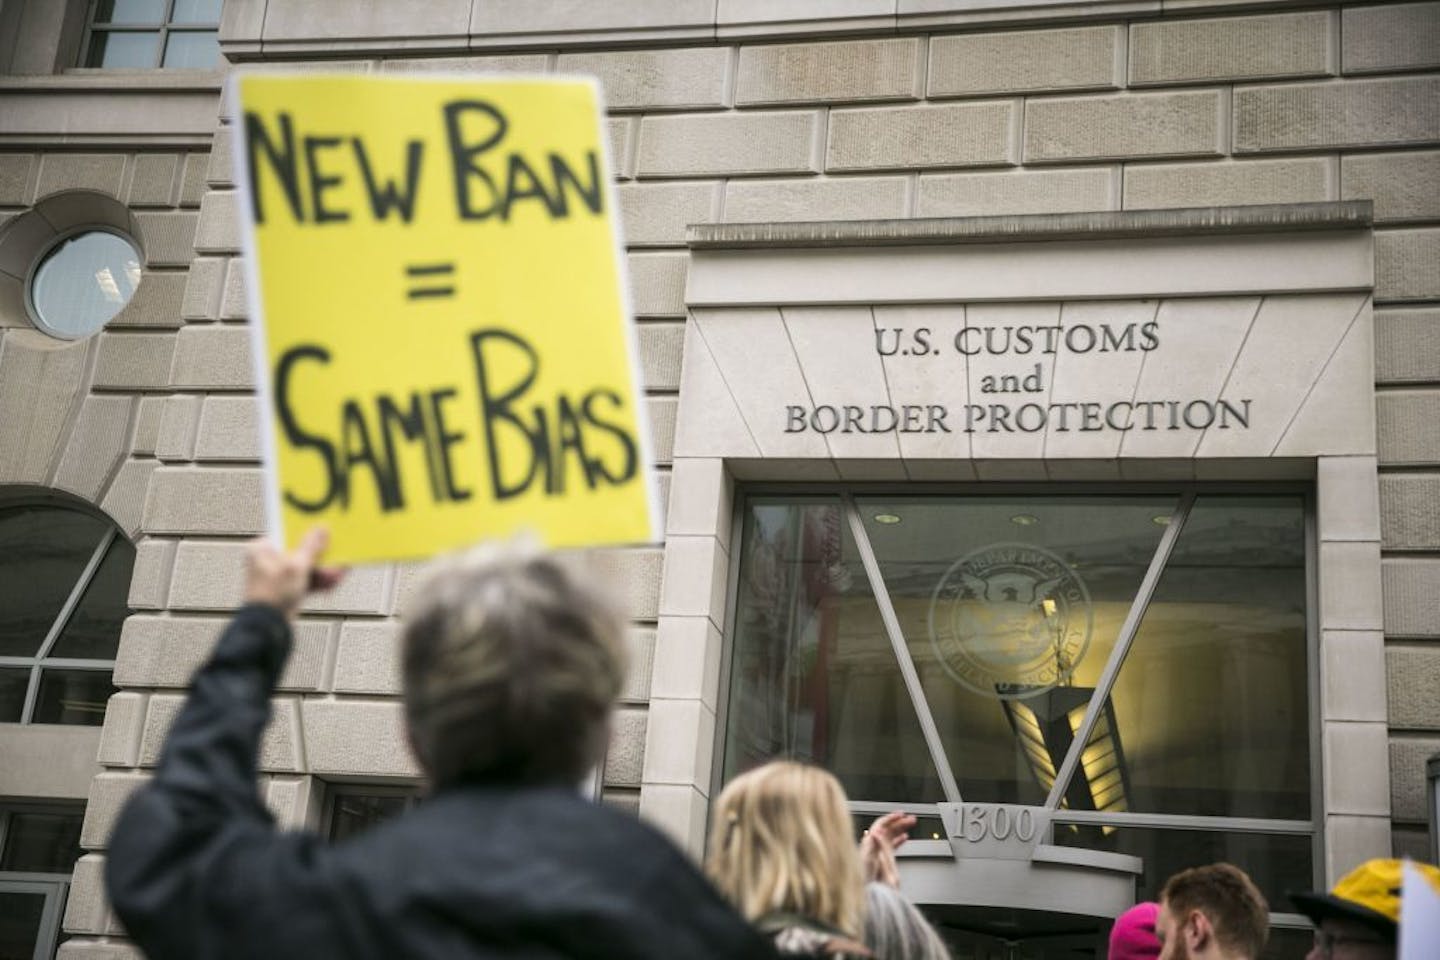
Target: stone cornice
250, 32
110, 108
1199, 221
94, 81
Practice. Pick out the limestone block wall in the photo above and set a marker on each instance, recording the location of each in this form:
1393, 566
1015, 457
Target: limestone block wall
1269, 106
720, 112
85, 417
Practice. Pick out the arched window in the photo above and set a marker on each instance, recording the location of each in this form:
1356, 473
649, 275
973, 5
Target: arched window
64, 583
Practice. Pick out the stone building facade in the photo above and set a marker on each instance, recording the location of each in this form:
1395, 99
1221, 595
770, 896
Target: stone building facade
739, 112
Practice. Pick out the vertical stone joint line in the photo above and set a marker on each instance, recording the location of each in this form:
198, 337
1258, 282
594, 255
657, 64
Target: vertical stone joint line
700, 335
1235, 362
800, 365
1139, 377
1050, 390
1340, 342
820, 149
732, 74
1017, 131
132, 424
921, 87
885, 379
76, 406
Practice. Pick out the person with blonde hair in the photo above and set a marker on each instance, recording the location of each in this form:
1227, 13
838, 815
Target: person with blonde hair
512, 660
782, 851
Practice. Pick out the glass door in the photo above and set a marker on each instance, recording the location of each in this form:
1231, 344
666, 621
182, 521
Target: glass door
991, 934
1136, 665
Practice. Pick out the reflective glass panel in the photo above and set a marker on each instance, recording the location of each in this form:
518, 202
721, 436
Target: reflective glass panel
196, 11
814, 676
73, 697
1277, 864
354, 812
1010, 606
39, 841
1211, 705
43, 551
925, 828
130, 11
13, 683
191, 49
83, 282
123, 49
93, 631
20, 916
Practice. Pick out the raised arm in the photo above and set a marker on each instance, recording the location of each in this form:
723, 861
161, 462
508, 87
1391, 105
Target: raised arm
197, 841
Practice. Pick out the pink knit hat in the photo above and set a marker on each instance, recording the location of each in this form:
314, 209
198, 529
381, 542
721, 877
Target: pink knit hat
1133, 936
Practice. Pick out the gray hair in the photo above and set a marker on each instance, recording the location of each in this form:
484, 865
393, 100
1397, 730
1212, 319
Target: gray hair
513, 659
896, 930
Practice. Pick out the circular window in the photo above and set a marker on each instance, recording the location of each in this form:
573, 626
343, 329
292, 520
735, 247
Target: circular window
83, 281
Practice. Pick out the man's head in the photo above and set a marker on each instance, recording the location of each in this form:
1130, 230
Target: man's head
1212, 912
512, 661
1359, 919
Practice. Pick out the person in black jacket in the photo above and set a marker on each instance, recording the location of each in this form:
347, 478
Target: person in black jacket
511, 665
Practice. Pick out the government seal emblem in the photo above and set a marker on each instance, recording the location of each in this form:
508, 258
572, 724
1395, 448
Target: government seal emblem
1010, 620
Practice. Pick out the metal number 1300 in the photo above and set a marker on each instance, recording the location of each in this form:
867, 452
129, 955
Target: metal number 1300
999, 823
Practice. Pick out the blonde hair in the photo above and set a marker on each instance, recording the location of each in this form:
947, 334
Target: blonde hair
512, 660
782, 840
896, 930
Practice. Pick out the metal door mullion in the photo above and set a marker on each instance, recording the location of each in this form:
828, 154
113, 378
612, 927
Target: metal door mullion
879, 807
1122, 647
902, 652
792, 637
1314, 715
32, 693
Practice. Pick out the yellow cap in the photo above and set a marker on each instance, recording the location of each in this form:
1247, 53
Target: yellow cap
1370, 894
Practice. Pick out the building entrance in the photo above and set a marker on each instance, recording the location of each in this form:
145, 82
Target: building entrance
1078, 693
1014, 934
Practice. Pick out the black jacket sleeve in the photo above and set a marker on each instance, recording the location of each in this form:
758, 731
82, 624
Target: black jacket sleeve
196, 867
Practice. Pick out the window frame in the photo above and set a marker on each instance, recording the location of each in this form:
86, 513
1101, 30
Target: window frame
41, 661
163, 29
56, 893
55, 887
845, 494
32, 310
335, 792
7, 811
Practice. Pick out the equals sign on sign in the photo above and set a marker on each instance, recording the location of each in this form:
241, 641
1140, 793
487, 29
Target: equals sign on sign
428, 280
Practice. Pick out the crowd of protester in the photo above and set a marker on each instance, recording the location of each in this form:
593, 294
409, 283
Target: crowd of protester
512, 661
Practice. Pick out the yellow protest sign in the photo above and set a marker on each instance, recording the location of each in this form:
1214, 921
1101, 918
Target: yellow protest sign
442, 334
